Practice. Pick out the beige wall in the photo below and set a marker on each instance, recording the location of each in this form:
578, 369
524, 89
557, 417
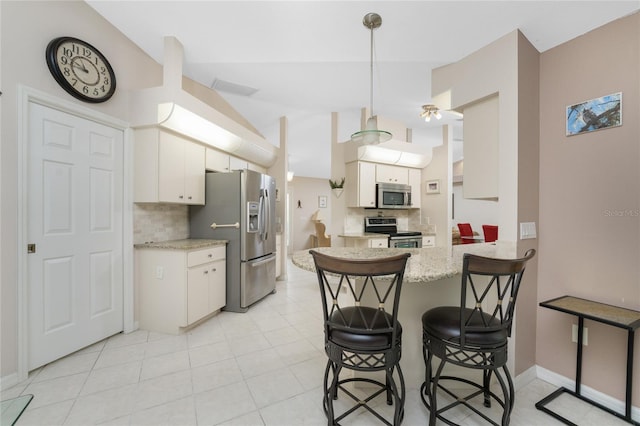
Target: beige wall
590, 202
437, 207
527, 196
508, 68
306, 191
26, 28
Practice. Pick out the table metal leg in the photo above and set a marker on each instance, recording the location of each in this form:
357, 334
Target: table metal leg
628, 400
579, 355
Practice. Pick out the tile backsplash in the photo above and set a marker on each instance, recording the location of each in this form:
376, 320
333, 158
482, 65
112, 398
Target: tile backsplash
160, 222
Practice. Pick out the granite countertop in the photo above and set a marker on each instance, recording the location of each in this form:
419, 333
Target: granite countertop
187, 244
368, 235
425, 264
363, 235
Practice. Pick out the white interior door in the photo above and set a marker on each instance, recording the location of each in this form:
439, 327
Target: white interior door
75, 223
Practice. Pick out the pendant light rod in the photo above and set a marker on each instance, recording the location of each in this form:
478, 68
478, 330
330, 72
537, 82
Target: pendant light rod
370, 135
371, 21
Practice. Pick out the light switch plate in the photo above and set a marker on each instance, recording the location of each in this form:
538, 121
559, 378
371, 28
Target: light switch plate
527, 230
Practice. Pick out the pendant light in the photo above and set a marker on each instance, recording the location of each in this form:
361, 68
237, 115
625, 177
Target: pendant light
371, 135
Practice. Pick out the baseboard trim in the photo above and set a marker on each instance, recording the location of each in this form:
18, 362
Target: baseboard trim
9, 381
588, 392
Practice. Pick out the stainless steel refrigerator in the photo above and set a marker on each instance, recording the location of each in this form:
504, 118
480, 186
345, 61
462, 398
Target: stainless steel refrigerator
240, 207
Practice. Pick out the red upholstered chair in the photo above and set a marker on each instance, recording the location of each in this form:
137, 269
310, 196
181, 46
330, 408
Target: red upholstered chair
466, 231
490, 233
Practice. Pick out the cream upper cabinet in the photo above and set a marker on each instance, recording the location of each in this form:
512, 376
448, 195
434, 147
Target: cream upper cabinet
256, 168
236, 163
168, 168
481, 149
415, 179
360, 184
217, 161
392, 174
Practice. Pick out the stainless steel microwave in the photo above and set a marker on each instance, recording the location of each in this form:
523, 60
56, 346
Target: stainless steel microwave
393, 196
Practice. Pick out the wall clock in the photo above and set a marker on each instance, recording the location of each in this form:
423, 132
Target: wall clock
81, 69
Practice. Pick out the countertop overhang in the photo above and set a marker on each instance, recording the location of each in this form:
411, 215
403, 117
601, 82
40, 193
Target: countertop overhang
186, 244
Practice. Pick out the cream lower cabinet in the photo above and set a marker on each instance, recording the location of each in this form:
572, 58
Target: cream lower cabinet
363, 242
378, 243
179, 287
428, 241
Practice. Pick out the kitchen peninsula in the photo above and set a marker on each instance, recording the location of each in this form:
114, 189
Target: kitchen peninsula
432, 278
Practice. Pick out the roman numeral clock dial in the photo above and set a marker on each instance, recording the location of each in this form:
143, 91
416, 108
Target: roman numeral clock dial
81, 69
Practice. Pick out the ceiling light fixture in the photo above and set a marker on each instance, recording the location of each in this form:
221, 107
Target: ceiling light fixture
430, 110
371, 135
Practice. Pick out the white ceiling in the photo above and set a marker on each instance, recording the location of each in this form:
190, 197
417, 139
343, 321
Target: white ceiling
310, 58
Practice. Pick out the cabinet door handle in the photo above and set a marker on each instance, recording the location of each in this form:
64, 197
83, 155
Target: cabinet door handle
206, 272
181, 196
210, 255
214, 270
189, 196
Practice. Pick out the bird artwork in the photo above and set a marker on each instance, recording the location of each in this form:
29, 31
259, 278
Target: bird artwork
594, 114
588, 117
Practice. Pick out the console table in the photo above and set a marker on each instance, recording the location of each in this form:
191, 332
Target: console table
607, 314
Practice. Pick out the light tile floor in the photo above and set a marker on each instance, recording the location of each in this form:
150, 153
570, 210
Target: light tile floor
264, 367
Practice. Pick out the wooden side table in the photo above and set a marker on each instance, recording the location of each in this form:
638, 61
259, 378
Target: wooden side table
607, 314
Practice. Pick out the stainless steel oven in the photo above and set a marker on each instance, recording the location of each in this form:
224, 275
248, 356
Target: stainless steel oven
408, 241
389, 227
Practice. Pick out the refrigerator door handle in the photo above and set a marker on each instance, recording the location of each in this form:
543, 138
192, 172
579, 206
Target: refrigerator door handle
267, 213
261, 218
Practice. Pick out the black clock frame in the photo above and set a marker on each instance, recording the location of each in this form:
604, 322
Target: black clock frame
56, 72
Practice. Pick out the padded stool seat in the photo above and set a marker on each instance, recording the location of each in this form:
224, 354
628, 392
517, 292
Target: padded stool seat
356, 335
444, 323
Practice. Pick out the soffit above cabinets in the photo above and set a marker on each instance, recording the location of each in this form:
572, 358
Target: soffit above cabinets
173, 106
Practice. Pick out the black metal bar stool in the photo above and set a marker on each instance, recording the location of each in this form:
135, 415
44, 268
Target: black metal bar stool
474, 335
360, 335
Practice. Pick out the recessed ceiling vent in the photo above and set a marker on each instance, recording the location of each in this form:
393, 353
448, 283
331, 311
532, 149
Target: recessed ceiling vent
233, 88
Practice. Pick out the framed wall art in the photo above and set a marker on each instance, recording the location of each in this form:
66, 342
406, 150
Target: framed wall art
433, 186
595, 114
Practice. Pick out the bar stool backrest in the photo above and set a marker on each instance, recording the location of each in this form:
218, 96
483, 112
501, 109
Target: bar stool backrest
489, 289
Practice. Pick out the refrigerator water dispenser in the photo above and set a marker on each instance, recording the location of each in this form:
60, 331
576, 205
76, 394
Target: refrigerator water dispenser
253, 215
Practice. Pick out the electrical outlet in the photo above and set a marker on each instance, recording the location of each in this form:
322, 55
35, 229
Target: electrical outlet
527, 230
574, 335
159, 272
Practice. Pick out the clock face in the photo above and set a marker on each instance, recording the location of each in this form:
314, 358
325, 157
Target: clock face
81, 69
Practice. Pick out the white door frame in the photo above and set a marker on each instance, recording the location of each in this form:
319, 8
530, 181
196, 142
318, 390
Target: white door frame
25, 96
